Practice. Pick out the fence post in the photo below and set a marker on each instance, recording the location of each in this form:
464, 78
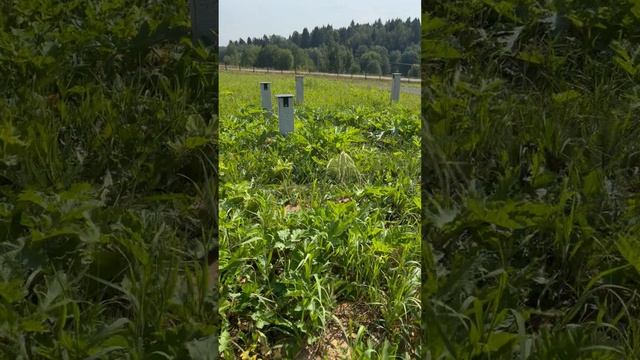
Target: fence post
265, 91
299, 89
285, 113
395, 87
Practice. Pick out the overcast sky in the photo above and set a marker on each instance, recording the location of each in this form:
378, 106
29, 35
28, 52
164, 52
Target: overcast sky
244, 18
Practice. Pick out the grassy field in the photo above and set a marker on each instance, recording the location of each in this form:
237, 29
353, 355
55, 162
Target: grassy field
531, 191
385, 83
319, 230
107, 140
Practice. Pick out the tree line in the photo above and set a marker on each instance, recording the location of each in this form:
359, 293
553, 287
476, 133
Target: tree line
359, 48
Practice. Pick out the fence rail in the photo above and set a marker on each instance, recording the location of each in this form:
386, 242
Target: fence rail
336, 75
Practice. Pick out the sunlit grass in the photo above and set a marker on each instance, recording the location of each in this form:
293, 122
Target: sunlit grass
320, 222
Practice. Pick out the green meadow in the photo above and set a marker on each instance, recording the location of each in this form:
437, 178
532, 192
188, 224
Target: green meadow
319, 230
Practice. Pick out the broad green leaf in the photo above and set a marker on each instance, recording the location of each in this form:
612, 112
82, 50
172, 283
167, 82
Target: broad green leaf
12, 291
204, 349
9, 135
593, 183
625, 65
436, 49
196, 142
444, 217
504, 8
565, 96
629, 248
225, 339
497, 340
531, 57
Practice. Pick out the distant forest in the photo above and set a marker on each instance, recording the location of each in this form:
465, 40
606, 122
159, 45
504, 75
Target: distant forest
360, 48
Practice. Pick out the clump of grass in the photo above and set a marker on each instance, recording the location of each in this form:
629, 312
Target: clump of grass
342, 168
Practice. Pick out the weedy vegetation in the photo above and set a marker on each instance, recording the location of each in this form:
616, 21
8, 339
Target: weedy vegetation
319, 230
531, 163
106, 181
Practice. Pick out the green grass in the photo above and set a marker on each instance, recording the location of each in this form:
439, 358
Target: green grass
319, 91
106, 181
322, 220
530, 182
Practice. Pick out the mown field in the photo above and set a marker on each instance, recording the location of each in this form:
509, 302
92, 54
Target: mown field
531, 186
319, 230
107, 186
